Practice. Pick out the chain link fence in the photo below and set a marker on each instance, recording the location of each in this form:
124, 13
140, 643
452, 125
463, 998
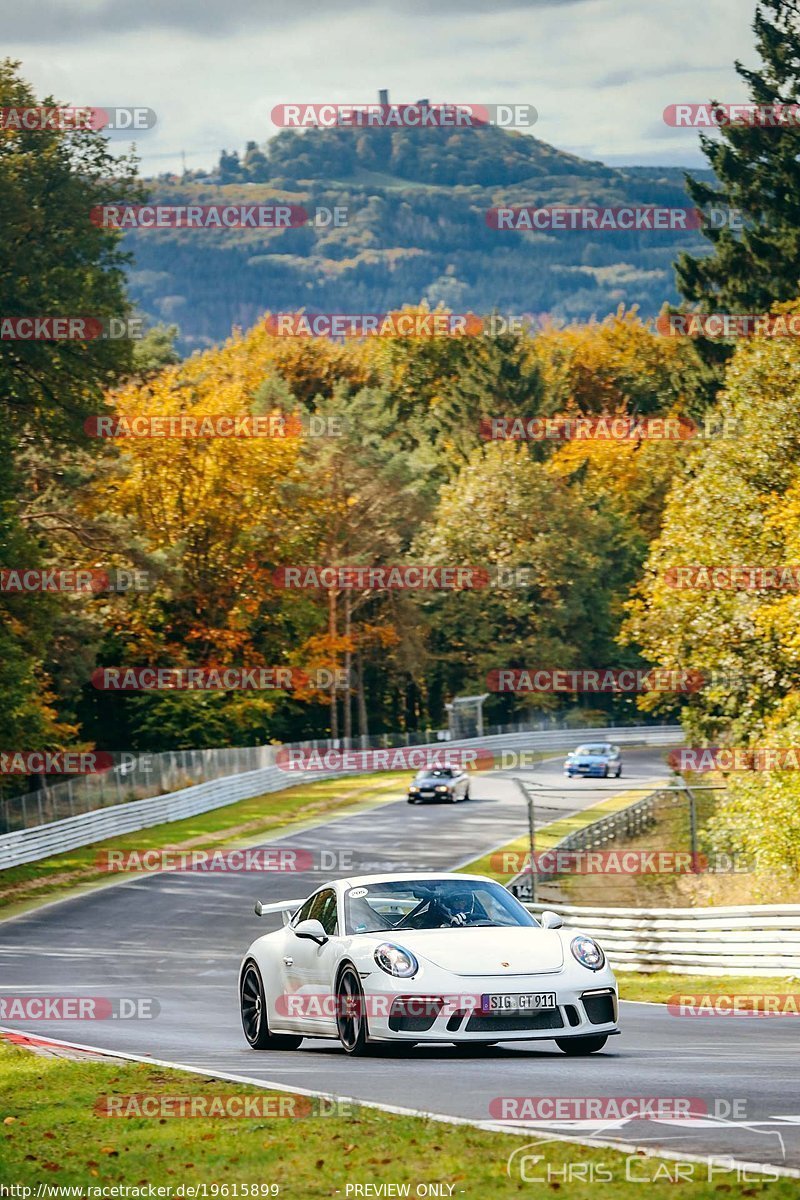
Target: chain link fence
670, 813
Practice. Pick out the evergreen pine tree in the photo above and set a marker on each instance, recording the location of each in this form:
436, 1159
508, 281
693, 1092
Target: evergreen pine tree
758, 172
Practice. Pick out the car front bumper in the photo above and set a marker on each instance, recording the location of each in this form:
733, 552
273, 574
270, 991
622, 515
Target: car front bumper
419, 1017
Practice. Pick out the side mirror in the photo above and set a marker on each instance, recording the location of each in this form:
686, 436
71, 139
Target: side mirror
312, 931
549, 919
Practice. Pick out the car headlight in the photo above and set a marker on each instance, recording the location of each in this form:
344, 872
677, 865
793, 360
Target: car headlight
441, 787
413, 789
588, 953
394, 960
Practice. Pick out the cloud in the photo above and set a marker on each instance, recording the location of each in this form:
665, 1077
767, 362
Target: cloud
599, 72
77, 20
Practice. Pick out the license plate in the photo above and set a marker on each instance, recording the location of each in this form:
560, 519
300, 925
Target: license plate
426, 793
517, 1002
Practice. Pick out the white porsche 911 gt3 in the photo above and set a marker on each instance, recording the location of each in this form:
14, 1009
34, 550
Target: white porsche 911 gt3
423, 958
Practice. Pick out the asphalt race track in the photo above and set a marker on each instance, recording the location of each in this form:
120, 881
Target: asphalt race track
180, 938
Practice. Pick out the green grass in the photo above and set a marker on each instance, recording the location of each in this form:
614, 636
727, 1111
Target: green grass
245, 822
661, 986
50, 1134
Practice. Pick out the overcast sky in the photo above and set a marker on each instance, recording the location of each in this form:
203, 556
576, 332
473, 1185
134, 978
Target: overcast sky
599, 72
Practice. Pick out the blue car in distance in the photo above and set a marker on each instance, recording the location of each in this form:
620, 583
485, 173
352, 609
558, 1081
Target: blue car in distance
594, 760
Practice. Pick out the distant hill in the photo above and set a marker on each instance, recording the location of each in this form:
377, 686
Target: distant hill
416, 203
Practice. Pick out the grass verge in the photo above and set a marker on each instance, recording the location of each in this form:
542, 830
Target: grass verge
51, 1135
514, 855
243, 823
723, 880
661, 986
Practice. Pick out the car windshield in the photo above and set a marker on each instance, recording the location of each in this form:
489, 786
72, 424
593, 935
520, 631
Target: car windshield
594, 751
431, 904
436, 772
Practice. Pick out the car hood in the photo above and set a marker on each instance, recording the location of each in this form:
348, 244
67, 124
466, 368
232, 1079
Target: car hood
486, 951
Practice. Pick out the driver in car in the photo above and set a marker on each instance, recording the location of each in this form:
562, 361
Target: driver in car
458, 908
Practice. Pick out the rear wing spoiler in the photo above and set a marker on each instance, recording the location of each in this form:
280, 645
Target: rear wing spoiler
285, 907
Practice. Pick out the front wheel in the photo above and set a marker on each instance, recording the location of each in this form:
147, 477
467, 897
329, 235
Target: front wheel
582, 1045
254, 1015
351, 1017
466, 794
619, 772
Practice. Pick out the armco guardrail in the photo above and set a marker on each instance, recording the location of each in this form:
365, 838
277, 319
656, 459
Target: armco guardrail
138, 776
41, 841
755, 940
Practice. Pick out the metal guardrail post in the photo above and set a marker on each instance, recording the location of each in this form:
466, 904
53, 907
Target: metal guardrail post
692, 825
532, 841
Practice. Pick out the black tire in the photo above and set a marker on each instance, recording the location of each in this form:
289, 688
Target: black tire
466, 794
253, 1008
582, 1045
605, 772
619, 773
351, 1017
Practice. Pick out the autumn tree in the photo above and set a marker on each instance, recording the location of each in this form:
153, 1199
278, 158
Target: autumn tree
546, 552
735, 504
54, 262
210, 514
